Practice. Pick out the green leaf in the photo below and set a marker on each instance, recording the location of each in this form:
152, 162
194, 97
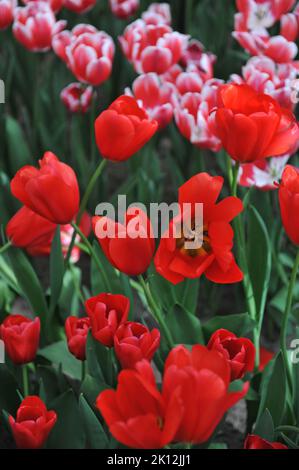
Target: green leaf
56, 269
274, 390
91, 388
99, 360
239, 324
259, 259
58, 353
18, 149
50, 382
264, 427
69, 300
28, 282
185, 327
68, 432
9, 398
96, 436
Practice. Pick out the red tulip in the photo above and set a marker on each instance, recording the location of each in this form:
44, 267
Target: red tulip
35, 234
123, 129
239, 352
76, 98
256, 442
35, 25
137, 413
203, 378
175, 262
252, 125
76, 330
134, 342
6, 13
33, 423
130, 247
21, 338
123, 9
289, 202
79, 6
106, 313
51, 191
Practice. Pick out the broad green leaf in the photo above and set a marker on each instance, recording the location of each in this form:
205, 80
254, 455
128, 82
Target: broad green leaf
91, 387
58, 353
18, 149
239, 324
184, 326
99, 360
95, 434
264, 427
68, 432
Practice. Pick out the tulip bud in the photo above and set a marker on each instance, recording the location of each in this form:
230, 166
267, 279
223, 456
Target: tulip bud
21, 338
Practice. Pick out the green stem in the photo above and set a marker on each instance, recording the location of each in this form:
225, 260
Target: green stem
5, 247
84, 202
240, 239
83, 370
155, 311
285, 320
25, 380
93, 254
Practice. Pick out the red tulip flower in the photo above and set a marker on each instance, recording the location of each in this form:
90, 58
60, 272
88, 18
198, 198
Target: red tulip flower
214, 258
35, 25
76, 98
203, 378
51, 191
289, 202
21, 338
6, 13
239, 352
79, 6
33, 423
134, 342
123, 129
123, 9
130, 247
137, 413
76, 330
252, 125
107, 312
255, 442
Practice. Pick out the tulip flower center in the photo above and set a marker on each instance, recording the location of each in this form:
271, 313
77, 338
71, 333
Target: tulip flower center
197, 235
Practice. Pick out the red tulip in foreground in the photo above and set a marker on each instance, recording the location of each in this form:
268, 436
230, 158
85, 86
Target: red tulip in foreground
33, 423
134, 342
256, 442
130, 247
123, 129
106, 313
21, 338
192, 402
76, 330
239, 352
289, 202
215, 259
51, 191
252, 125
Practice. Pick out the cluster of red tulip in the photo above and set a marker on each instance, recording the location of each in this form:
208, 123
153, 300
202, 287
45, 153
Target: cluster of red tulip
250, 118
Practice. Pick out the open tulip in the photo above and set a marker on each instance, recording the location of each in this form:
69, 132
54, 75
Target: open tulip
21, 338
134, 342
252, 125
239, 352
76, 330
123, 129
51, 191
190, 248
289, 202
256, 442
33, 423
107, 312
129, 247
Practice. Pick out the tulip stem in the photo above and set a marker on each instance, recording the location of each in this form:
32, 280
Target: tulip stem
5, 247
84, 202
285, 320
93, 254
250, 300
25, 380
155, 311
83, 371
